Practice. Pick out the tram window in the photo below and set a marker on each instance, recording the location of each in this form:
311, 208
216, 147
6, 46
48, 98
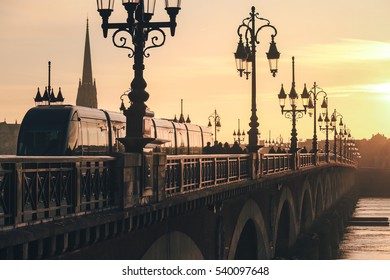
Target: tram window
118, 131
165, 131
195, 142
40, 141
168, 147
182, 143
43, 133
73, 140
102, 136
84, 138
167, 134
95, 137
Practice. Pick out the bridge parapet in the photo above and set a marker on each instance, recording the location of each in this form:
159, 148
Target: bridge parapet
35, 189
188, 173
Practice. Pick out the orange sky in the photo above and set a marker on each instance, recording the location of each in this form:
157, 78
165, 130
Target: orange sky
342, 45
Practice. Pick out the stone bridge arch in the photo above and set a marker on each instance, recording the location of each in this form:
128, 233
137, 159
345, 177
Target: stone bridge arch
305, 204
286, 225
250, 224
327, 190
173, 246
318, 192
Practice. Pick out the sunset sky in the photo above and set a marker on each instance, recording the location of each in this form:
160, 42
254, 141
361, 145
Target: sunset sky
344, 46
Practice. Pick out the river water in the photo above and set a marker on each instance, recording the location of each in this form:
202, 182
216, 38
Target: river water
367, 242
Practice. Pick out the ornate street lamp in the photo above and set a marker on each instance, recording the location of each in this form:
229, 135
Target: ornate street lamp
336, 115
293, 113
314, 92
133, 35
181, 118
325, 124
240, 135
245, 57
217, 123
348, 145
48, 97
343, 136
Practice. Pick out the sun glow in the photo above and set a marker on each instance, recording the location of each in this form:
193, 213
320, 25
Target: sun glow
380, 88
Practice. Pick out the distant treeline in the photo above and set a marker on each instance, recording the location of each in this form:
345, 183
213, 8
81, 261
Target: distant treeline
375, 152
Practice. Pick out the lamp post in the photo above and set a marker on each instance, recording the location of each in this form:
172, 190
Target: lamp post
48, 97
293, 113
217, 123
323, 119
314, 92
138, 27
343, 135
240, 135
348, 146
245, 57
336, 115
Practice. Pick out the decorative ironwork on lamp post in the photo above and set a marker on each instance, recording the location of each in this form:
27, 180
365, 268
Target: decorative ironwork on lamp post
245, 57
133, 35
217, 123
293, 113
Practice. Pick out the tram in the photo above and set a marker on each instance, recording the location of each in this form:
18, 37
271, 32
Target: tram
67, 130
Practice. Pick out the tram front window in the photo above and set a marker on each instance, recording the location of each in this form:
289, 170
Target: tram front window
43, 132
43, 142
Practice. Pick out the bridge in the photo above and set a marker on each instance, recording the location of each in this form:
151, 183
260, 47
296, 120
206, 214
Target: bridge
154, 206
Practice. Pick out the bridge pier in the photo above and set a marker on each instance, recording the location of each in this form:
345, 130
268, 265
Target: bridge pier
322, 239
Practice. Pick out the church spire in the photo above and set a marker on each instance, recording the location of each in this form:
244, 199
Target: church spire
87, 93
87, 68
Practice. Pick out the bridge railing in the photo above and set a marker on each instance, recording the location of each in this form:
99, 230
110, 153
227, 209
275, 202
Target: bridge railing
276, 163
306, 159
188, 173
322, 158
38, 188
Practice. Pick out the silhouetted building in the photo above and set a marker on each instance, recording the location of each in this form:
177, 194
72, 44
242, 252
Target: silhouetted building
87, 93
9, 136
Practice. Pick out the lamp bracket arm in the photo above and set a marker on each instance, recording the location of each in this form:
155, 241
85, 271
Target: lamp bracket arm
156, 41
120, 41
265, 26
288, 114
156, 25
247, 30
299, 114
264, 19
322, 91
246, 22
115, 25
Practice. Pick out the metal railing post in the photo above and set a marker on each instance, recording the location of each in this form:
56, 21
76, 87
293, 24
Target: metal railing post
17, 194
77, 187
261, 166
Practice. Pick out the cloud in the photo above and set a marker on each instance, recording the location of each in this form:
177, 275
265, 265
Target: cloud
379, 89
347, 50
